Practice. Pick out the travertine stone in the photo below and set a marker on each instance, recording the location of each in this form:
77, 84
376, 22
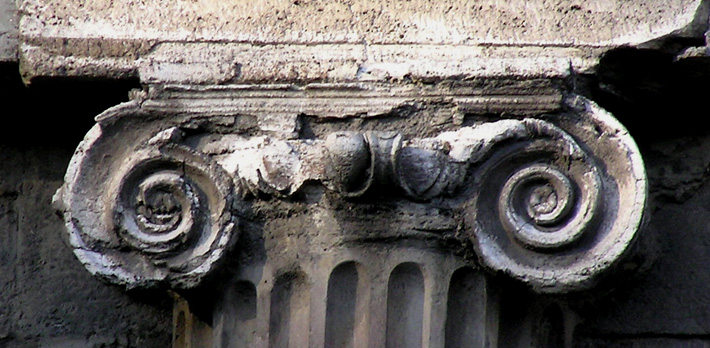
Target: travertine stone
155, 191
211, 42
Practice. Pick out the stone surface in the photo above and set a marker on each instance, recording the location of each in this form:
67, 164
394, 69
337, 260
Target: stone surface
674, 289
211, 42
45, 299
9, 21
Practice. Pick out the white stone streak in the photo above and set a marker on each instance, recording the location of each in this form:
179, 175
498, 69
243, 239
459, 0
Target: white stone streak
470, 143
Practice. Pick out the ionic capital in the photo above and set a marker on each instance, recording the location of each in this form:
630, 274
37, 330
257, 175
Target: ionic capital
156, 191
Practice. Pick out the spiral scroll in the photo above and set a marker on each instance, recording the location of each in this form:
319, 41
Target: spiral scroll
155, 213
550, 210
541, 207
170, 201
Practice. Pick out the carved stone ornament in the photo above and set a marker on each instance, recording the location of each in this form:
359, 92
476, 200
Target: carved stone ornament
551, 190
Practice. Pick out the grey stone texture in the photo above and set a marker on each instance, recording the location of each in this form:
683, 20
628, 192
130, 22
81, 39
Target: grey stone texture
9, 21
678, 172
46, 297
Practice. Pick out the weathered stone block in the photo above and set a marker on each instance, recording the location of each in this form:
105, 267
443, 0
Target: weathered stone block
353, 40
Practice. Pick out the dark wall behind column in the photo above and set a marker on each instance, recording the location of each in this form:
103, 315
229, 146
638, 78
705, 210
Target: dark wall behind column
47, 298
